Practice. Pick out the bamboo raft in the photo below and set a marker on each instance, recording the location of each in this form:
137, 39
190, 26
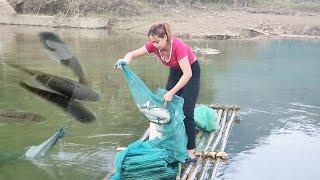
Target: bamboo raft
210, 146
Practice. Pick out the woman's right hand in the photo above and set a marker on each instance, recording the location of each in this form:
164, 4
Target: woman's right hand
120, 63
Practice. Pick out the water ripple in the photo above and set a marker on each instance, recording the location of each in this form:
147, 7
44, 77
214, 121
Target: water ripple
304, 105
107, 135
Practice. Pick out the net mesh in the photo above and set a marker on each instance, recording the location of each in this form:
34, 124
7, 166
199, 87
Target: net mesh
44, 148
206, 118
157, 158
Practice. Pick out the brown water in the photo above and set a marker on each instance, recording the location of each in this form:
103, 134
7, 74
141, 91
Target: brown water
275, 82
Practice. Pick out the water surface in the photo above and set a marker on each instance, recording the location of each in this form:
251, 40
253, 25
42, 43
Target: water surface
275, 82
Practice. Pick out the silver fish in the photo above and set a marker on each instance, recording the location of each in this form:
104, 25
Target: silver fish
57, 50
14, 116
154, 113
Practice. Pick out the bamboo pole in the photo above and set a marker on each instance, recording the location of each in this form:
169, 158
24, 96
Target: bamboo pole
223, 124
199, 161
190, 165
199, 139
223, 145
220, 111
215, 144
201, 145
217, 140
202, 141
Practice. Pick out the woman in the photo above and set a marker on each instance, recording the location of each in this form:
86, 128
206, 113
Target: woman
184, 78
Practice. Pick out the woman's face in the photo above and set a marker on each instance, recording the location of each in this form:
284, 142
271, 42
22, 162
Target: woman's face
158, 42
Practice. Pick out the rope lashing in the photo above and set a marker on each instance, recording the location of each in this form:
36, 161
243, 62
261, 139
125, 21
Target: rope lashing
212, 154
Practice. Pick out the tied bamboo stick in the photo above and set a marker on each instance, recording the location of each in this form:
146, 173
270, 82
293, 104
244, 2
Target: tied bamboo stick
198, 138
212, 154
202, 143
199, 161
213, 133
199, 142
223, 145
215, 144
223, 106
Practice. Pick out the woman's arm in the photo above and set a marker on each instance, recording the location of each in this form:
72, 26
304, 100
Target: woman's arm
187, 74
135, 54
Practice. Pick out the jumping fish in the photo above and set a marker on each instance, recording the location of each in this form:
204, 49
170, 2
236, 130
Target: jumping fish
66, 103
15, 116
154, 113
61, 85
59, 51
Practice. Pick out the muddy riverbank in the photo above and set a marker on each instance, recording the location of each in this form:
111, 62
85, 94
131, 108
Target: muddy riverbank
194, 22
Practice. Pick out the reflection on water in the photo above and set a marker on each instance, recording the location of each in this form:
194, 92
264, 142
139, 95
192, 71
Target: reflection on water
275, 83
286, 154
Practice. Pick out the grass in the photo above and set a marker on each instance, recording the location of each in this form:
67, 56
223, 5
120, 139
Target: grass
301, 6
129, 8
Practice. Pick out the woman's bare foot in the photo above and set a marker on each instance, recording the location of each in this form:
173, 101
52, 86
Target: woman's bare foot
191, 153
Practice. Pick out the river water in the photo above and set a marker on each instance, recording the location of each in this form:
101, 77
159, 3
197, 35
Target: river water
275, 82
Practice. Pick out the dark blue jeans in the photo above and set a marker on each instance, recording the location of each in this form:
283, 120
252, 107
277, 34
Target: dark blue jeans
190, 94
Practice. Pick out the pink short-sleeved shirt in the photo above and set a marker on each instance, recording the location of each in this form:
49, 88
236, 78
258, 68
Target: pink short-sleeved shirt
179, 50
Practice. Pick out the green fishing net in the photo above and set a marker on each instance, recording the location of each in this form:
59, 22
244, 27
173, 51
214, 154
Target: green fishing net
206, 118
45, 147
157, 158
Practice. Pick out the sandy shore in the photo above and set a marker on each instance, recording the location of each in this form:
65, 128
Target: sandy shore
228, 24
195, 22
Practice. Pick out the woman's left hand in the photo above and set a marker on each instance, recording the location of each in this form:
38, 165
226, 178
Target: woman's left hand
168, 96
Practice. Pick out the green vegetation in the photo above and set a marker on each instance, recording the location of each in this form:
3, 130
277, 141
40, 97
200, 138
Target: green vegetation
310, 6
81, 8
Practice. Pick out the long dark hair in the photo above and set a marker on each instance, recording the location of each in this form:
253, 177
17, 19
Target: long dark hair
160, 30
